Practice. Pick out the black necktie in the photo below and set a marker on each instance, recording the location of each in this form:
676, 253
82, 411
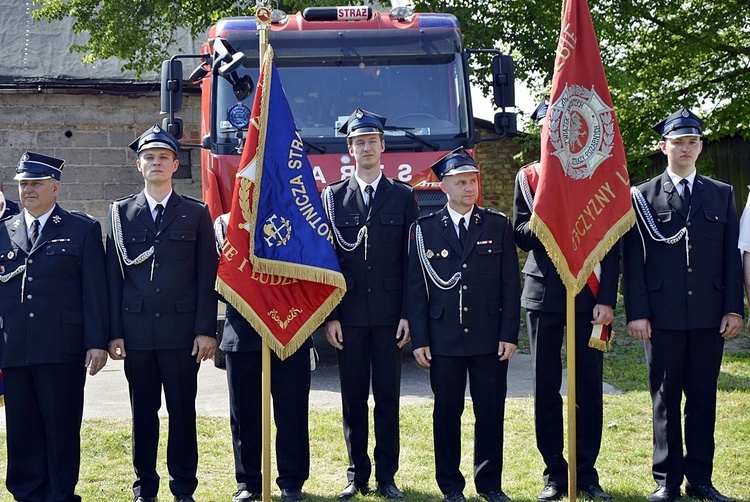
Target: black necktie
685, 192
369, 191
159, 213
34, 231
462, 232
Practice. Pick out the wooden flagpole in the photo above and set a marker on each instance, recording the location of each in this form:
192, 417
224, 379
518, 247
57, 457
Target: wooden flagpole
262, 19
571, 384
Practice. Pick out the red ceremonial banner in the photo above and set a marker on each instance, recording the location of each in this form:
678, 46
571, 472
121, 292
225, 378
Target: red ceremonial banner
582, 205
278, 266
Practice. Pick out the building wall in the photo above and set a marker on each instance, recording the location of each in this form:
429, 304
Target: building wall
91, 132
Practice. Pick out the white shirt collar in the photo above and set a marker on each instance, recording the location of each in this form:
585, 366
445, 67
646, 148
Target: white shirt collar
42, 219
676, 179
153, 202
456, 216
374, 184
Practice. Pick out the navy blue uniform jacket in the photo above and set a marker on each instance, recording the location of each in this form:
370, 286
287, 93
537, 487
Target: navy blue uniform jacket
64, 308
164, 302
490, 284
658, 282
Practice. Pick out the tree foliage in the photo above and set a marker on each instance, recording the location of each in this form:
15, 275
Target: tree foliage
658, 56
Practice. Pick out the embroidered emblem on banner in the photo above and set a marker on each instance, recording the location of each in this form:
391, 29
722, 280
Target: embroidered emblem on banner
277, 234
581, 130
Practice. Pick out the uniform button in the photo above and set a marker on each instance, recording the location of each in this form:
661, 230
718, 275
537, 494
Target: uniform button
62, 250
466, 330
688, 223
690, 270
31, 314
156, 241
29, 279
156, 265
369, 267
31, 260
465, 287
158, 290
158, 315
369, 290
690, 246
464, 265
466, 309
29, 297
690, 293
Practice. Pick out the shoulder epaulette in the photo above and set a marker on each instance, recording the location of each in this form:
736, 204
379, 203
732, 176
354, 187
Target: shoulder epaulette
194, 199
81, 213
495, 211
426, 216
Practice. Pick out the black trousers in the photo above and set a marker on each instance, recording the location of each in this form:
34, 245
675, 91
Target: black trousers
43, 412
175, 371
546, 331
684, 362
488, 387
290, 388
370, 351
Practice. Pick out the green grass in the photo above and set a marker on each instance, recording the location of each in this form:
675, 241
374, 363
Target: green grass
624, 463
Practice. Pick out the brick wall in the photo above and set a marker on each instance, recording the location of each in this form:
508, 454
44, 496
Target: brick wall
498, 170
91, 132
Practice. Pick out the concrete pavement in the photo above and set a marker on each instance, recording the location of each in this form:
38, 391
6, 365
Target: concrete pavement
107, 396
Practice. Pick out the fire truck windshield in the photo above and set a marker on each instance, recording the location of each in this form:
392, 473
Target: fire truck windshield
424, 94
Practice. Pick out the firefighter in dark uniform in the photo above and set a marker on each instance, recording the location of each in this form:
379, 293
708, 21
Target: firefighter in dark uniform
161, 268
290, 388
464, 314
370, 216
544, 298
53, 315
682, 279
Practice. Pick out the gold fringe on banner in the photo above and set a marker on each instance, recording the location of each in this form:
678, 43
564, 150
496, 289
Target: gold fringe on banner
572, 283
236, 300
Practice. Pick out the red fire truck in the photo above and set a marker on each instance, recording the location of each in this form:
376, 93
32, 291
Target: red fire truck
411, 68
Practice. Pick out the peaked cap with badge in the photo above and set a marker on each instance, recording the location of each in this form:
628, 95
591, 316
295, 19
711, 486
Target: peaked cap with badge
681, 123
456, 162
35, 166
155, 137
541, 111
362, 122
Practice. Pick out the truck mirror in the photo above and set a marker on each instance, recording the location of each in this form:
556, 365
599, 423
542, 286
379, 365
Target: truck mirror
503, 81
505, 124
173, 126
171, 86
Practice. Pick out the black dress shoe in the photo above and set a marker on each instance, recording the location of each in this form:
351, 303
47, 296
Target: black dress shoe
664, 494
352, 489
454, 497
595, 492
495, 496
184, 498
390, 490
144, 499
246, 496
552, 492
291, 494
707, 492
